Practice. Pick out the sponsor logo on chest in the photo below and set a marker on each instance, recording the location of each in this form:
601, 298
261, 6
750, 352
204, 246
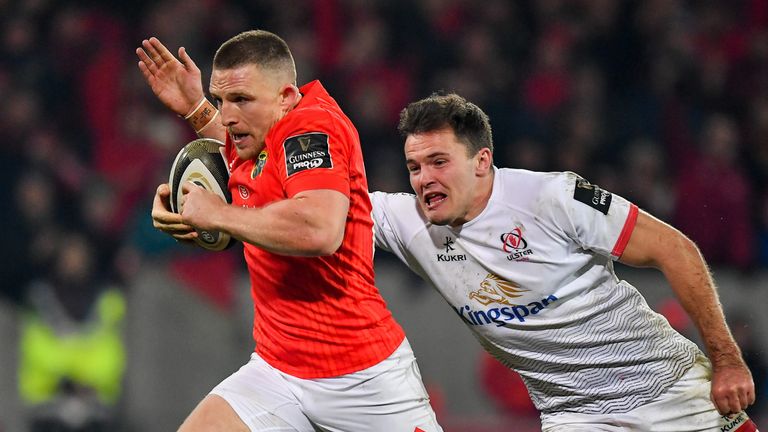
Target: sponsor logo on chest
450, 255
497, 306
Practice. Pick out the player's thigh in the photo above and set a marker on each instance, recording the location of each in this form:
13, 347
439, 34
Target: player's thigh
262, 399
213, 414
388, 397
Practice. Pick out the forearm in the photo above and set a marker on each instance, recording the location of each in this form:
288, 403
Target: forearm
656, 244
659, 245
286, 227
692, 283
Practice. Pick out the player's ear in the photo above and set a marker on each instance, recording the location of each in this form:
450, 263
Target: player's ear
483, 161
289, 96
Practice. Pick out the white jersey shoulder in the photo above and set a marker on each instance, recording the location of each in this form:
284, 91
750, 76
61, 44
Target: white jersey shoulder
533, 277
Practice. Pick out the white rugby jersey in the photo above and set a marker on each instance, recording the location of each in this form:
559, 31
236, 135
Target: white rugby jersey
533, 277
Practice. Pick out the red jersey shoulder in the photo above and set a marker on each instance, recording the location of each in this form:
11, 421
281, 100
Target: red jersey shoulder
310, 137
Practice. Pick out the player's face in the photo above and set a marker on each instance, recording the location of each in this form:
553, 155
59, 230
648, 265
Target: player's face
249, 103
447, 181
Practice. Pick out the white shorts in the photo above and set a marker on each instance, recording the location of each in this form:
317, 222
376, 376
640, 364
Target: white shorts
684, 407
387, 397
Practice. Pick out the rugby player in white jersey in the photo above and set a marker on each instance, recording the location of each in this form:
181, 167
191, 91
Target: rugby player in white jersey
526, 260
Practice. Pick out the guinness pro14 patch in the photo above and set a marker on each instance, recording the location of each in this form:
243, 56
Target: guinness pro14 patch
592, 195
306, 151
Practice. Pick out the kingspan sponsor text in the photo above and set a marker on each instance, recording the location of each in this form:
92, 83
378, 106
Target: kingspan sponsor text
501, 315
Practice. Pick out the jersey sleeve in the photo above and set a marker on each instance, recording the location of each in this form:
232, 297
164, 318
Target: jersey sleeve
314, 151
594, 218
391, 215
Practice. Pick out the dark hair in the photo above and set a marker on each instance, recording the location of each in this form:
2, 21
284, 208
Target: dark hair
470, 124
258, 47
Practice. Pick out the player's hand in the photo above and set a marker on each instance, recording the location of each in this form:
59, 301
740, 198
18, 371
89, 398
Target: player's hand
732, 388
167, 221
175, 81
200, 206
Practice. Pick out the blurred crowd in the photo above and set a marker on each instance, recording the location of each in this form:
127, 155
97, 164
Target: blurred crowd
662, 101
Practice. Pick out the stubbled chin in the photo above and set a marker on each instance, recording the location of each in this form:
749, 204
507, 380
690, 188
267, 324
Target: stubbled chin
436, 219
431, 215
245, 153
248, 149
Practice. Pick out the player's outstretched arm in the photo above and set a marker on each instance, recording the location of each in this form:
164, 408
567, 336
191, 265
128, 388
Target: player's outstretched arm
178, 85
656, 244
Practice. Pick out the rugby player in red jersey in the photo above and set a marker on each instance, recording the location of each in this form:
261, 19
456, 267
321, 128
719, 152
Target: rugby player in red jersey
329, 355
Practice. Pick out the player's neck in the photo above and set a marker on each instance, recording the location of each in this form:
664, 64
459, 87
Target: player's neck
485, 190
482, 195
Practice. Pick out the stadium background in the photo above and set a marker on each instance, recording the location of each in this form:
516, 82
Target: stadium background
662, 101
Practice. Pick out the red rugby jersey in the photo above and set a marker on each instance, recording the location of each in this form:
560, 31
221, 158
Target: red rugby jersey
315, 316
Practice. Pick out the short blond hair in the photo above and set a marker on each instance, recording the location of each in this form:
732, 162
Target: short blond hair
259, 47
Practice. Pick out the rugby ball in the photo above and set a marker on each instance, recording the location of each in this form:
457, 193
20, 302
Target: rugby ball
201, 163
